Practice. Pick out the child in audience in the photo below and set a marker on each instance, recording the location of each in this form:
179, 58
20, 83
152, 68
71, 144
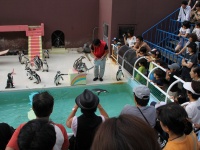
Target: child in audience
197, 30
195, 73
189, 61
142, 69
158, 78
183, 33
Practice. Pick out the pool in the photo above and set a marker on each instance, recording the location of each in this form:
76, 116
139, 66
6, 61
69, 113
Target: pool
15, 105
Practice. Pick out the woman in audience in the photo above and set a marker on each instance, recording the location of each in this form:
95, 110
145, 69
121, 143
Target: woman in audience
195, 14
130, 39
195, 73
183, 33
192, 38
189, 61
174, 120
125, 132
84, 127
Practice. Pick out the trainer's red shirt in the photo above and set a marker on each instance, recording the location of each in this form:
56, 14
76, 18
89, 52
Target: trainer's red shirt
100, 50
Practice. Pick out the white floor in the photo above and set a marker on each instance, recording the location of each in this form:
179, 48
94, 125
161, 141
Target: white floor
56, 62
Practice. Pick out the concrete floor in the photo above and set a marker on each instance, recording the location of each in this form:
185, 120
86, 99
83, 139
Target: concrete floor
57, 62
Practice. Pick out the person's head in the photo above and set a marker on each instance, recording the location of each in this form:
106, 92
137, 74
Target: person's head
195, 73
37, 134
184, 4
174, 119
125, 132
130, 33
161, 63
186, 24
197, 6
87, 101
195, 86
192, 37
96, 42
6, 133
43, 104
119, 44
115, 40
142, 62
141, 95
155, 53
139, 39
192, 95
192, 47
197, 24
173, 67
158, 73
143, 51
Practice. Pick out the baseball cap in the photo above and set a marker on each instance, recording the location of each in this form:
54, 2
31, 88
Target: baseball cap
119, 43
174, 66
142, 92
188, 86
115, 39
157, 104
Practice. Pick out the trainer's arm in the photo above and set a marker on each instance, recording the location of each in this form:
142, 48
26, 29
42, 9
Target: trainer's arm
70, 118
102, 111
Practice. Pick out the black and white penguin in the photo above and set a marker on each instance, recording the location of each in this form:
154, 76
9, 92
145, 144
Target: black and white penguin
37, 63
119, 74
45, 66
36, 77
23, 59
57, 78
27, 65
10, 81
20, 56
46, 53
29, 73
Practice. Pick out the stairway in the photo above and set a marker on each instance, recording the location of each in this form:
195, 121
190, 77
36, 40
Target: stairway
35, 34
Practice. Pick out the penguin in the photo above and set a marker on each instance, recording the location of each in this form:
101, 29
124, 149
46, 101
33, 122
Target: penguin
29, 73
20, 56
28, 64
119, 74
46, 53
78, 62
58, 77
23, 59
10, 81
37, 63
45, 66
36, 77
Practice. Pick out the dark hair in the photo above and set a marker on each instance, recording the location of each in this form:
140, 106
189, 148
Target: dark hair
6, 133
197, 23
186, 24
196, 69
195, 86
37, 134
159, 72
184, 2
143, 62
141, 102
43, 104
125, 132
198, 4
194, 96
88, 111
193, 46
175, 118
130, 32
96, 42
143, 50
193, 36
140, 38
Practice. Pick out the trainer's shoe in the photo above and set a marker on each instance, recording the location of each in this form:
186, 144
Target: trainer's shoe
101, 79
95, 79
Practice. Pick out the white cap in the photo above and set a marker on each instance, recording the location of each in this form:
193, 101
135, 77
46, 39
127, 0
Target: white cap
188, 86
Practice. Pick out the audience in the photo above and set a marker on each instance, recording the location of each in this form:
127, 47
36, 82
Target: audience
184, 13
38, 134
195, 73
183, 33
195, 14
129, 39
140, 43
125, 132
189, 61
85, 126
174, 121
196, 30
43, 107
147, 113
159, 78
6, 133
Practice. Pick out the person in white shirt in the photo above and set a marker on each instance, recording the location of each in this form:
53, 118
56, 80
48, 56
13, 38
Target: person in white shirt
193, 108
130, 40
184, 13
197, 30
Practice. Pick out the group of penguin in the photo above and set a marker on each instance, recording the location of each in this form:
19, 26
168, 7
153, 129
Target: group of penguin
38, 63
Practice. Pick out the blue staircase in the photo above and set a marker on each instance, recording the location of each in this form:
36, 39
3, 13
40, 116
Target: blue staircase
163, 37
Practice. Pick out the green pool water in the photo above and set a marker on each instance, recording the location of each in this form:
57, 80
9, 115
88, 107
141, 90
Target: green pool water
15, 105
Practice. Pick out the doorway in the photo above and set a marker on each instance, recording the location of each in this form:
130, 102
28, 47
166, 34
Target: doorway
58, 39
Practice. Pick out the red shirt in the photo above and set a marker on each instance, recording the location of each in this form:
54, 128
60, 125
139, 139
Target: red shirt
99, 51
